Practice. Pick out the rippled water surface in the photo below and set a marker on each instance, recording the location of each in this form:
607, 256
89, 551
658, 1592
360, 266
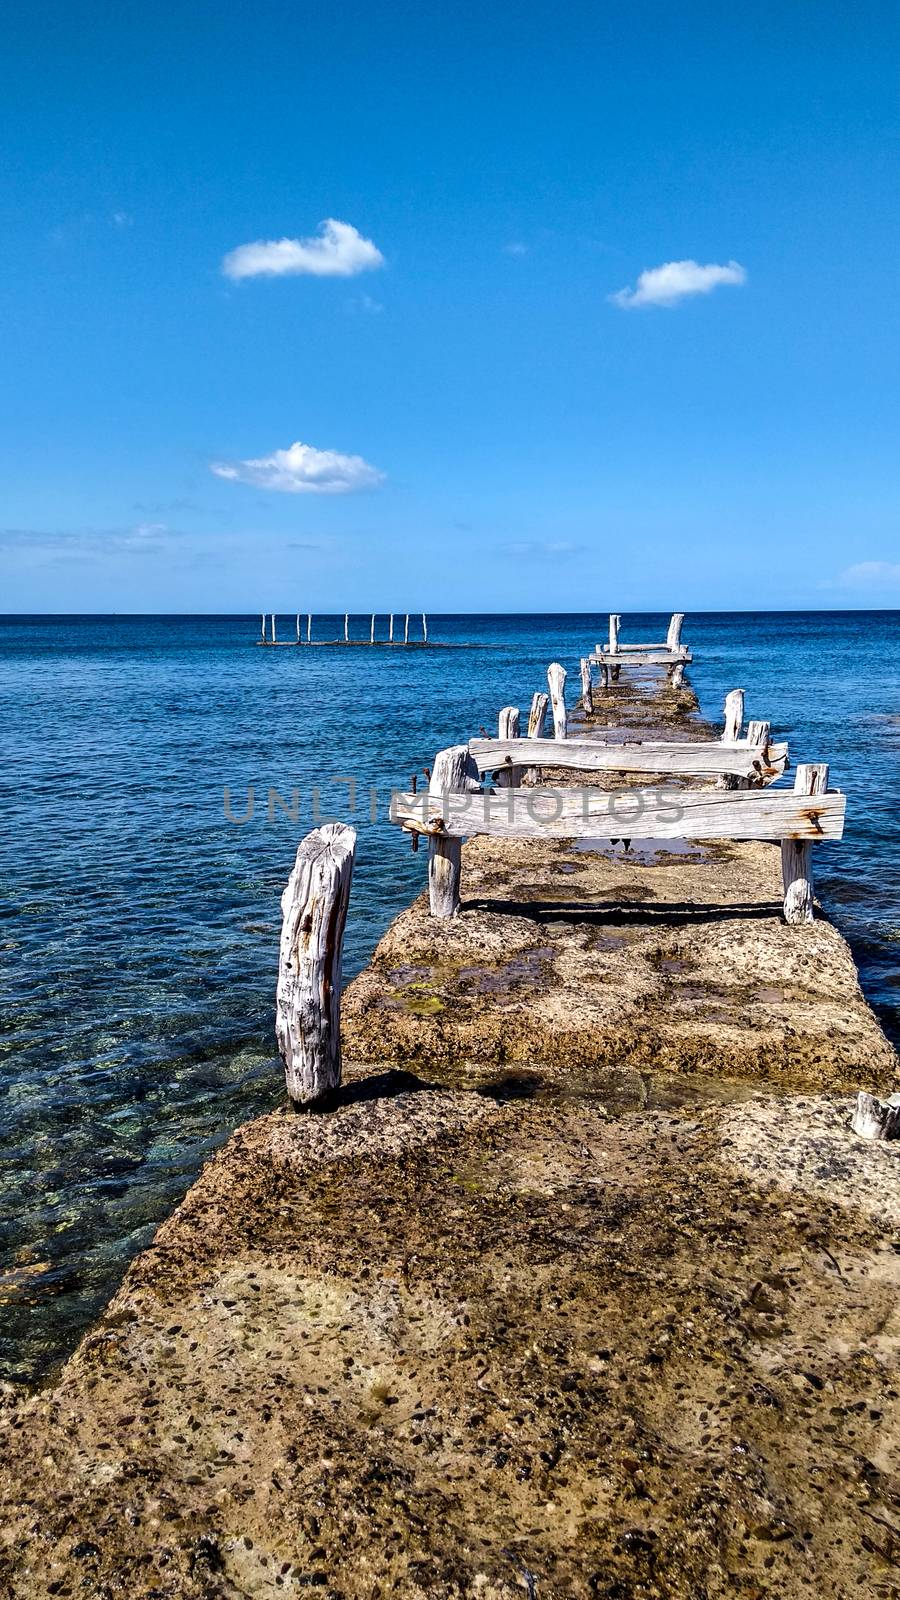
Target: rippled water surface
139, 927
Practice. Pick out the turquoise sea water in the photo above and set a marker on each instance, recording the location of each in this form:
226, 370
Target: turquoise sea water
139, 925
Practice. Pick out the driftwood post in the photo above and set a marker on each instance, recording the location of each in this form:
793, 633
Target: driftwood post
614, 620
876, 1119
537, 717
391, 629
454, 773
298, 627
678, 675
673, 637
424, 628
811, 778
308, 997
556, 682
757, 735
587, 692
372, 630
273, 627
734, 716
508, 728
346, 627
263, 629
308, 627
406, 629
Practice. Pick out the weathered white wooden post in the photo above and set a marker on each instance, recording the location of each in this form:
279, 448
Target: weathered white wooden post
537, 717
673, 637
298, 627
876, 1119
308, 996
262, 632
372, 630
587, 692
556, 681
614, 620
308, 627
678, 675
811, 778
346, 627
273, 626
454, 773
734, 716
757, 734
508, 728
391, 629
424, 628
406, 629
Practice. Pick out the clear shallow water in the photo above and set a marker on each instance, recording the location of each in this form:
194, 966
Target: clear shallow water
139, 926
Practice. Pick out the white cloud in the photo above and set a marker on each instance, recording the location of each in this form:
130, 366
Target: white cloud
516, 248
666, 285
338, 251
869, 575
301, 469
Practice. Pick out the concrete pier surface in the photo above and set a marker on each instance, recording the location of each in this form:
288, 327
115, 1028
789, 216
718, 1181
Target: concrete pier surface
582, 1288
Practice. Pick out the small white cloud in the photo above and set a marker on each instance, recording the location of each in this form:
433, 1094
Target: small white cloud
338, 251
301, 469
516, 248
123, 219
666, 285
869, 575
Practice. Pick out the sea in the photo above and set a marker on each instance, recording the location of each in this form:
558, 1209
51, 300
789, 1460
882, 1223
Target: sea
157, 774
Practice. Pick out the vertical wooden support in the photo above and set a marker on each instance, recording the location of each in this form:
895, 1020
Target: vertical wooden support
734, 716
406, 629
678, 675
308, 626
556, 682
372, 630
262, 636
587, 692
758, 733
508, 728
424, 628
346, 627
391, 629
811, 778
298, 627
308, 996
614, 620
272, 621
537, 717
454, 772
673, 637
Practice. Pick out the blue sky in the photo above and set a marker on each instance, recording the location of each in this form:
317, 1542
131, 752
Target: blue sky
519, 438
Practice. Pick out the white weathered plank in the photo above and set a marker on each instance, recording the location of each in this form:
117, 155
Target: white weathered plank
556, 682
308, 996
810, 779
653, 656
645, 813
453, 776
590, 755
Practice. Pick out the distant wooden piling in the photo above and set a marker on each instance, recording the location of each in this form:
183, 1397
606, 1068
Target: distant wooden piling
406, 629
273, 627
308, 996
424, 629
391, 629
309, 627
556, 681
614, 622
346, 627
372, 630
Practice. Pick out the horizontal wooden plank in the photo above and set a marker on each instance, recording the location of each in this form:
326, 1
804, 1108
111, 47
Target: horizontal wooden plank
639, 658
646, 813
590, 755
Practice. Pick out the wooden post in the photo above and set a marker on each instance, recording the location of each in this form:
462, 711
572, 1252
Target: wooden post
298, 627
346, 627
673, 637
734, 716
308, 997
308, 627
424, 628
273, 627
391, 629
537, 717
614, 620
406, 629
678, 675
508, 728
758, 733
876, 1119
372, 630
587, 692
454, 772
796, 861
556, 680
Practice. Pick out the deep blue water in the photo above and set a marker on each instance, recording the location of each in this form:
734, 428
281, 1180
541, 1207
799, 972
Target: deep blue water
139, 928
